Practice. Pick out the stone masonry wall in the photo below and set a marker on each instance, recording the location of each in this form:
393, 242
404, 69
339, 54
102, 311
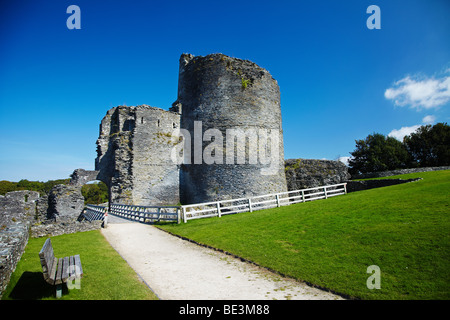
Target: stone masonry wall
17, 211
65, 203
114, 153
308, 173
133, 155
13, 239
80, 177
155, 174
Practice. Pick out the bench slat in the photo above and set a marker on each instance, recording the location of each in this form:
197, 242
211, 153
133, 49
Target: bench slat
59, 271
47, 251
46, 256
72, 268
52, 273
44, 265
78, 269
46, 277
66, 266
45, 247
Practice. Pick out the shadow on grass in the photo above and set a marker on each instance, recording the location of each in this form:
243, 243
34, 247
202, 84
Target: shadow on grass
32, 286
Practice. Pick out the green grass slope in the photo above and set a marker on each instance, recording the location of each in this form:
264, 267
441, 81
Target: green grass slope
403, 229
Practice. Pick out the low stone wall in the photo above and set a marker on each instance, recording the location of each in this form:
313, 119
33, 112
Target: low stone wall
309, 173
353, 186
59, 228
18, 206
397, 172
13, 239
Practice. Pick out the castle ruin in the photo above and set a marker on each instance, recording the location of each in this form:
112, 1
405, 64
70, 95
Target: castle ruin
138, 147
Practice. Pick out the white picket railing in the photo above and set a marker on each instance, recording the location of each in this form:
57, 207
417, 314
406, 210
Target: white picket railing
223, 207
93, 212
146, 213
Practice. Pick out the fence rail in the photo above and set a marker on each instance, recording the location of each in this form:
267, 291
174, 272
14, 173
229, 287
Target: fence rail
219, 208
95, 212
146, 213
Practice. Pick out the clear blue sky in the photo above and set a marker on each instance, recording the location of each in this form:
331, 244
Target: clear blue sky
339, 81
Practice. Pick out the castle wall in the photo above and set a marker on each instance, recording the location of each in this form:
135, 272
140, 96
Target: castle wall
106, 147
225, 93
133, 155
80, 177
115, 165
155, 175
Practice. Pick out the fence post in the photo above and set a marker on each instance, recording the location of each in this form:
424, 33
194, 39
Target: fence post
159, 214
250, 204
105, 219
278, 200
303, 196
345, 188
325, 192
184, 214
218, 209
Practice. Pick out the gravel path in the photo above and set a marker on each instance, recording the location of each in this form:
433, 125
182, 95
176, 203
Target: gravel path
176, 269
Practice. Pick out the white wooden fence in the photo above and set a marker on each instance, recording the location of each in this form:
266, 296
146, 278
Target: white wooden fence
223, 207
94, 212
219, 208
146, 213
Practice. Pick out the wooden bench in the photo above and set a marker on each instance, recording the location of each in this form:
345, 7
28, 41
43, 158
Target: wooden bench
58, 271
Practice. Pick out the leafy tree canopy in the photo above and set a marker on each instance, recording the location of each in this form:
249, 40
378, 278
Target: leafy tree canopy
427, 146
95, 193
378, 153
41, 187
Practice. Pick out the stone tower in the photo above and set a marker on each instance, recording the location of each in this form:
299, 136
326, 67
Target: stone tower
238, 104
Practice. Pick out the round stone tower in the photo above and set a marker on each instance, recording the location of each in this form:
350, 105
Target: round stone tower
231, 111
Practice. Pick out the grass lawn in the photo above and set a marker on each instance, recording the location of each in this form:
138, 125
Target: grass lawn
403, 229
106, 275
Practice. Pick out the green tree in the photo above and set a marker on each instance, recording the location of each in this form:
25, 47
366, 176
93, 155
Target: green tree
95, 193
24, 184
378, 153
7, 186
429, 146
